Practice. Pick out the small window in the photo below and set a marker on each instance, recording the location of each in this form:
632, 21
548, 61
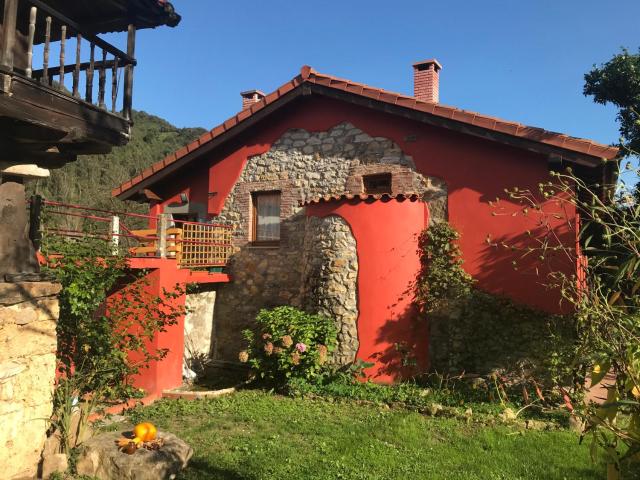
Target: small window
378, 183
266, 217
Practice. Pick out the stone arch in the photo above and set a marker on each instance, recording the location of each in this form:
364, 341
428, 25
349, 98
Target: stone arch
329, 279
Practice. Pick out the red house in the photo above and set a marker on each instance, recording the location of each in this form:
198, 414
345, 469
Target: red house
327, 184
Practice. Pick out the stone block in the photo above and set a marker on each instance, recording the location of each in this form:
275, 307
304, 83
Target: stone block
55, 463
11, 293
101, 458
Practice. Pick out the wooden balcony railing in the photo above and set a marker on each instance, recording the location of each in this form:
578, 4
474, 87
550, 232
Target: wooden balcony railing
48, 27
193, 245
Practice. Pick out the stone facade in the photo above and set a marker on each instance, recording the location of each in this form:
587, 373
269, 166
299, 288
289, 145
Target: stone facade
198, 328
28, 315
329, 280
303, 165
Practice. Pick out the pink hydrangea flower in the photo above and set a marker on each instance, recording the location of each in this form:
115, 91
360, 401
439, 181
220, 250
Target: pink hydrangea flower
301, 347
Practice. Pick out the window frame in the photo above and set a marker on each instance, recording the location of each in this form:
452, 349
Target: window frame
253, 238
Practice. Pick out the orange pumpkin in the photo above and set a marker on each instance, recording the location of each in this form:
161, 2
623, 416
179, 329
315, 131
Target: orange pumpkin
145, 431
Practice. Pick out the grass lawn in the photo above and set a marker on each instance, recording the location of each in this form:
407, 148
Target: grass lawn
257, 435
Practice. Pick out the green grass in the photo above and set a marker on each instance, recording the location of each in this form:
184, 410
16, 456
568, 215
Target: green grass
257, 435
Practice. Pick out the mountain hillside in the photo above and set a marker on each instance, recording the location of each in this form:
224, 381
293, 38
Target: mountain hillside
89, 180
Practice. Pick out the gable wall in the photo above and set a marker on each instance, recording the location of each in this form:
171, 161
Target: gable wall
476, 171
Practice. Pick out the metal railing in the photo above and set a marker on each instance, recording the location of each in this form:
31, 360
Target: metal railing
194, 245
47, 26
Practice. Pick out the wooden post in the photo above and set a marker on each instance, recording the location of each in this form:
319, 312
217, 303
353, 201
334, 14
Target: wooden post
33, 13
35, 212
76, 71
8, 33
45, 55
88, 96
115, 234
63, 36
128, 73
102, 79
114, 84
163, 225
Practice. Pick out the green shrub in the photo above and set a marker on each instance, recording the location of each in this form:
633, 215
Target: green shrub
106, 313
289, 343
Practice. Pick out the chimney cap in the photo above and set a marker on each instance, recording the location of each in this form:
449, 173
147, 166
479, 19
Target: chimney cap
425, 63
251, 93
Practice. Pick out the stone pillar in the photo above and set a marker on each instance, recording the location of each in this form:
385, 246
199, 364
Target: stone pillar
28, 315
16, 251
17, 255
329, 281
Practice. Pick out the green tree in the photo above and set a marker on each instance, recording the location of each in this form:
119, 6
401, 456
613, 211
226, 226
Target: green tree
618, 82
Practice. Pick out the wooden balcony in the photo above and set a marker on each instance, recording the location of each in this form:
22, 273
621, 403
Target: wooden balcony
64, 91
191, 245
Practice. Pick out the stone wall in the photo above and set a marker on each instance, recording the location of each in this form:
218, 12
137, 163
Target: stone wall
329, 280
28, 315
198, 328
304, 165
487, 333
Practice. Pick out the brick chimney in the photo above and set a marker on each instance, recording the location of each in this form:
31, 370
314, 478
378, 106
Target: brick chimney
426, 80
250, 97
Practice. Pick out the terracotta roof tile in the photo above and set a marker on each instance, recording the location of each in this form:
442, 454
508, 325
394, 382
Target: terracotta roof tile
411, 196
309, 75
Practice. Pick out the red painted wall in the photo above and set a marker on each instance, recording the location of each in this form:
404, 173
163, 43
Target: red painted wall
386, 234
475, 170
157, 376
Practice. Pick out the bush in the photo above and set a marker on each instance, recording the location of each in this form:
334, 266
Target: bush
288, 344
106, 314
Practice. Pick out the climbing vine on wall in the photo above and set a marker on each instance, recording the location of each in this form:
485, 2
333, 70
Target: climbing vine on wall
442, 280
476, 332
98, 330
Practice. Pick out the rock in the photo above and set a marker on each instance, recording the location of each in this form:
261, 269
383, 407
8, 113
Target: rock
10, 369
508, 415
576, 423
101, 458
52, 444
530, 424
54, 463
433, 409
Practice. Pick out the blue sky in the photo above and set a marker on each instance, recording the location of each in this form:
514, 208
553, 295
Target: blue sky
521, 61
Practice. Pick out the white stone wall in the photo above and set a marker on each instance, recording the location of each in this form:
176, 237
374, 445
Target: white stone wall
198, 328
28, 315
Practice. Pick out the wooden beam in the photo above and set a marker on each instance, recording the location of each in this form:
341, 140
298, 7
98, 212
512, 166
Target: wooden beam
70, 68
42, 159
151, 196
8, 33
38, 104
128, 73
79, 29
